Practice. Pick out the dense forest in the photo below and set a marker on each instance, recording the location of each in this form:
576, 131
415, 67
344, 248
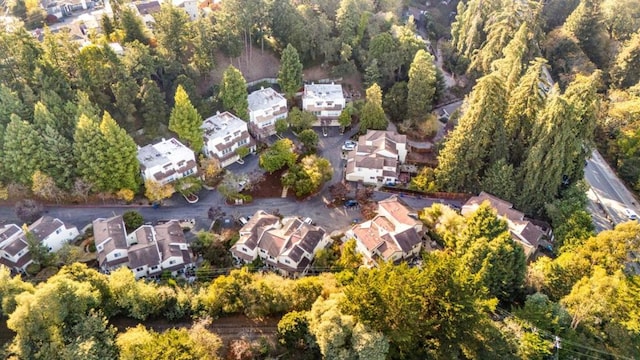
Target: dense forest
68, 113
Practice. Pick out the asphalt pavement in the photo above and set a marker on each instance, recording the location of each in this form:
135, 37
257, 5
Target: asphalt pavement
609, 195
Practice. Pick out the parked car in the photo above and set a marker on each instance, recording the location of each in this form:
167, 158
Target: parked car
308, 221
349, 145
350, 203
631, 214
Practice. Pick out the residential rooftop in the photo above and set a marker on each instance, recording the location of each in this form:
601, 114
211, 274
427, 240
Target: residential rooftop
222, 124
164, 152
324, 92
265, 98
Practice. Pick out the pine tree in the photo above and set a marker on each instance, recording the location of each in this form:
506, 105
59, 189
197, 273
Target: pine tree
586, 24
10, 103
89, 149
582, 96
42, 117
550, 156
372, 74
134, 29
625, 71
290, 74
422, 85
152, 107
372, 115
514, 59
478, 140
233, 93
121, 164
22, 151
185, 121
526, 100
57, 160
500, 180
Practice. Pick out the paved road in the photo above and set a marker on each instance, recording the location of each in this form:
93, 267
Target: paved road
609, 194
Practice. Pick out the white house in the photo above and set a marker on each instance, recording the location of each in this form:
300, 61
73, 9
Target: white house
14, 249
53, 233
110, 237
224, 133
147, 251
394, 234
325, 101
376, 157
189, 6
287, 245
266, 106
166, 161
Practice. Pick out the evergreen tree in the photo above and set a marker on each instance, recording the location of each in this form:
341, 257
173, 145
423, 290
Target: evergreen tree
394, 101
152, 107
134, 29
185, 121
57, 160
478, 140
290, 74
422, 85
10, 103
372, 74
500, 180
625, 70
514, 59
233, 93
89, 149
551, 155
22, 151
372, 115
121, 164
582, 96
107, 24
586, 24
526, 100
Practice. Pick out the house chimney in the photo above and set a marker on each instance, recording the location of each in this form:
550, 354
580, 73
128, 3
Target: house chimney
218, 112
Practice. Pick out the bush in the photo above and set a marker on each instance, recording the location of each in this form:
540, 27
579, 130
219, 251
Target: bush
132, 220
33, 269
92, 247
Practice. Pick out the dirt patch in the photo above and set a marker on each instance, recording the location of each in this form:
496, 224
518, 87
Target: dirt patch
270, 186
258, 66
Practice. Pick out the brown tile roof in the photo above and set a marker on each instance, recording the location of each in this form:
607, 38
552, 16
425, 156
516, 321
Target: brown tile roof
17, 245
272, 243
45, 226
407, 239
398, 210
144, 235
8, 231
168, 237
141, 255
113, 230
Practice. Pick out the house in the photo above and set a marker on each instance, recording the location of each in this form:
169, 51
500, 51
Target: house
166, 161
223, 134
14, 248
189, 6
147, 8
287, 245
395, 234
53, 233
522, 230
266, 106
325, 101
110, 237
376, 157
148, 251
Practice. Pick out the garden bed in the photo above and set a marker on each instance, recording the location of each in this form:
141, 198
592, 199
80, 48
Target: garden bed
270, 186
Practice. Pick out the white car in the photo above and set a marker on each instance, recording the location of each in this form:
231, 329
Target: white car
631, 214
349, 145
308, 221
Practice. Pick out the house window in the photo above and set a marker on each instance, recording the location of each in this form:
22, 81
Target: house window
244, 249
58, 231
262, 251
116, 255
286, 261
139, 269
99, 247
226, 151
171, 262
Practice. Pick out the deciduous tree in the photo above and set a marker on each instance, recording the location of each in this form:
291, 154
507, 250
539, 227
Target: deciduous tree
279, 155
156, 192
309, 139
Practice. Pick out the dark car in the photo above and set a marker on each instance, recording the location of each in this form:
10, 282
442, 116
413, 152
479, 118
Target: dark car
350, 203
